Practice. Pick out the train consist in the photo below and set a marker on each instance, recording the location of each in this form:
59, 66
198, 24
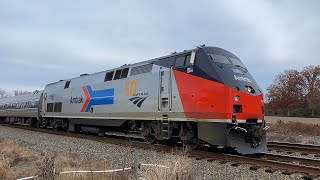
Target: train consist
203, 96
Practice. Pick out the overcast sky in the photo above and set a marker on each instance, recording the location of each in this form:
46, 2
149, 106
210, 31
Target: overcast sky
45, 41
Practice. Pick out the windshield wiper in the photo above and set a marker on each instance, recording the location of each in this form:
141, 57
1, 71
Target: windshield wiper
245, 69
219, 64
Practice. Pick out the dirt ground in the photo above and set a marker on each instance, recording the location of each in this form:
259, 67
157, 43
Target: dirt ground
274, 119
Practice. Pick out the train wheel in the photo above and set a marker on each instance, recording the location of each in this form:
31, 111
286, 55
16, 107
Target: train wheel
150, 139
191, 144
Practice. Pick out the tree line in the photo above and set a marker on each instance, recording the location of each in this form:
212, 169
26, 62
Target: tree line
4, 94
295, 93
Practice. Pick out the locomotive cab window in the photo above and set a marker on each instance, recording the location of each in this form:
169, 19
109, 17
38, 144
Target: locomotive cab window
188, 58
182, 61
219, 58
179, 61
109, 76
237, 62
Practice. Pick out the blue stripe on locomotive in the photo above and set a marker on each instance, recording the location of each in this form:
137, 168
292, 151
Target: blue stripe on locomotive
100, 97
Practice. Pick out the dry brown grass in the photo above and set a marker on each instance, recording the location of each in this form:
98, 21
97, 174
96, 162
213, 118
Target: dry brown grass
295, 128
180, 167
17, 161
294, 132
74, 163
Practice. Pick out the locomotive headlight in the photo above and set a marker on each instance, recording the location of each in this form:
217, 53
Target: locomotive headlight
249, 89
236, 98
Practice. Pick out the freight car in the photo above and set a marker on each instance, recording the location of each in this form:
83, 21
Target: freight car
200, 96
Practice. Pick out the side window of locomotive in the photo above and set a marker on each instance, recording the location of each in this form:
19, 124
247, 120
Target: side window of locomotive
57, 107
179, 61
188, 58
117, 75
124, 73
66, 86
50, 107
121, 73
146, 68
109, 76
219, 59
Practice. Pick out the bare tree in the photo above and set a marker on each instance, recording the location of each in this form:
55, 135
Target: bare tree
3, 93
286, 91
311, 86
20, 92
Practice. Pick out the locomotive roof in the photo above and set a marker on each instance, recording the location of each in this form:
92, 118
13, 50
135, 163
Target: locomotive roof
215, 50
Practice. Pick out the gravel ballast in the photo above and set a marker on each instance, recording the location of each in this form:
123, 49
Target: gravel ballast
120, 156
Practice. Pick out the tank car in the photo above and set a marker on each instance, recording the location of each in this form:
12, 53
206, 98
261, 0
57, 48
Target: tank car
202, 96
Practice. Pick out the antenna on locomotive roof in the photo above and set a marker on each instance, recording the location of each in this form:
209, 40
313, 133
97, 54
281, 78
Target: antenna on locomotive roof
175, 52
201, 46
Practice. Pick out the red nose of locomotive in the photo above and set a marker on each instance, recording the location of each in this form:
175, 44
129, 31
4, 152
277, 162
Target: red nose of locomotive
246, 106
247, 130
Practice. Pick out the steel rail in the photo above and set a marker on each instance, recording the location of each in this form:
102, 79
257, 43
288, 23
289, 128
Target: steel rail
293, 160
302, 148
276, 162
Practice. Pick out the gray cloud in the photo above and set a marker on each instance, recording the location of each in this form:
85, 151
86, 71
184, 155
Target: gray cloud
42, 42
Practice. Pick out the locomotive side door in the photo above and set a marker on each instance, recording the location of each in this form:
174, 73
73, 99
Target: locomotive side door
165, 89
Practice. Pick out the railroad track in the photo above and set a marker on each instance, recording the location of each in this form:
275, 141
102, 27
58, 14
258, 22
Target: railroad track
272, 162
304, 149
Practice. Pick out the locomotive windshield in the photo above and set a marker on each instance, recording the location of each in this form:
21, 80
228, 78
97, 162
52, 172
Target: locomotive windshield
229, 70
237, 62
237, 71
228, 60
219, 59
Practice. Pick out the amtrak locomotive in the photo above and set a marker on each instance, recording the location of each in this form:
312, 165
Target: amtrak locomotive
203, 96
